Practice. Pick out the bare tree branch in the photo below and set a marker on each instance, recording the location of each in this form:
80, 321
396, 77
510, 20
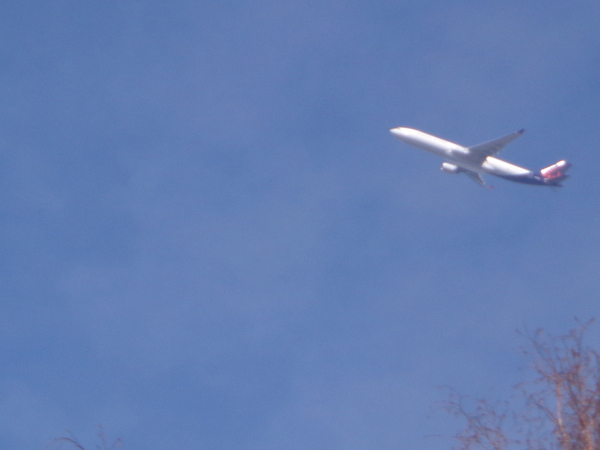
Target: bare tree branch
70, 442
561, 405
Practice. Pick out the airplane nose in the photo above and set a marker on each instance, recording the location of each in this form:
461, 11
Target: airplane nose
399, 132
408, 135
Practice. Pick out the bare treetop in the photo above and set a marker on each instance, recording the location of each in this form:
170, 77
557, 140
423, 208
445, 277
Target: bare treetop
558, 410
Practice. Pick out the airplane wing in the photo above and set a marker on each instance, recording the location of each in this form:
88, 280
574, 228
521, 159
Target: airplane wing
478, 153
477, 178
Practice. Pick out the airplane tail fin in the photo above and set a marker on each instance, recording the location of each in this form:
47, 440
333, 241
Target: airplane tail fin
555, 173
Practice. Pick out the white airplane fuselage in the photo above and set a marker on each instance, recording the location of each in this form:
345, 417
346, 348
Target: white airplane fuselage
462, 159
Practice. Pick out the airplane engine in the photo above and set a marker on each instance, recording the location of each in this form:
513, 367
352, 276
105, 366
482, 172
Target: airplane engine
450, 168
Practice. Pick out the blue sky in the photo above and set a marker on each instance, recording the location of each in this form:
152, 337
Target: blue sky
210, 240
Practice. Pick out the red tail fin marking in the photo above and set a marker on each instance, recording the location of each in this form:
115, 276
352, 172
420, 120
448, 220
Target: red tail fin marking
555, 171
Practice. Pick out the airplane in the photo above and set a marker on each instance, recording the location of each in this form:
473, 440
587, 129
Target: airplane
479, 159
